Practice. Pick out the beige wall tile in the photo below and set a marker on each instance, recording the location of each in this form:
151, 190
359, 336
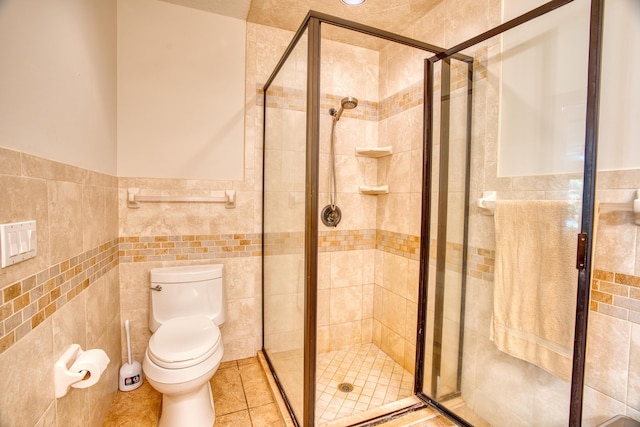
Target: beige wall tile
409, 362
393, 345
395, 274
65, 218
25, 199
67, 329
49, 417
598, 407
238, 348
324, 307
377, 333
10, 163
367, 301
240, 319
101, 394
604, 373
346, 269
411, 321
346, 304
98, 297
242, 277
140, 333
367, 330
616, 244
28, 370
323, 339
345, 334
324, 270
395, 311
413, 280
93, 218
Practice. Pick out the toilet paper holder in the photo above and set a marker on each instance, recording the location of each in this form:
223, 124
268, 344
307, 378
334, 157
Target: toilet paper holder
69, 372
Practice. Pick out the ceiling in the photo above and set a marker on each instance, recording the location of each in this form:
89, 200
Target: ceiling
232, 8
390, 15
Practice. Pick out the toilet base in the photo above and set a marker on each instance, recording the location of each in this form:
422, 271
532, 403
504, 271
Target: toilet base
193, 409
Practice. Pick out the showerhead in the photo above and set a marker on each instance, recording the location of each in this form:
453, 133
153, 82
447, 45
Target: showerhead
347, 103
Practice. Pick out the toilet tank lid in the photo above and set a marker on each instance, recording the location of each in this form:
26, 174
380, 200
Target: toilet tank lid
186, 273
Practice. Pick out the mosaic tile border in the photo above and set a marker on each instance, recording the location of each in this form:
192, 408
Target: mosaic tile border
404, 245
296, 100
346, 240
404, 100
188, 247
284, 243
481, 263
410, 97
616, 295
613, 294
27, 303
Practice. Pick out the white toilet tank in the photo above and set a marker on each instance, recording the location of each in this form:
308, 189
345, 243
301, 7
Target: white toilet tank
185, 291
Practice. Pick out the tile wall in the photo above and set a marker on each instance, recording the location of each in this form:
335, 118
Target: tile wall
67, 294
167, 234
365, 284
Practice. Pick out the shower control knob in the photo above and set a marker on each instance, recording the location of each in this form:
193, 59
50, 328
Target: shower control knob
331, 215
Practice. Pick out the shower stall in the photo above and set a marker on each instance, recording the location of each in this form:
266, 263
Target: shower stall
387, 165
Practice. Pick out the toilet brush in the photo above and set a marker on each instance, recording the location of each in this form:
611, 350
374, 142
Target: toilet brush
130, 372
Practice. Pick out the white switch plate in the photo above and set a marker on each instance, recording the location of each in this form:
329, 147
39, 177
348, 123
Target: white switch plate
18, 242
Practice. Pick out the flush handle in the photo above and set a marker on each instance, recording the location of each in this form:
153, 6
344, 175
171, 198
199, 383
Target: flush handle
157, 288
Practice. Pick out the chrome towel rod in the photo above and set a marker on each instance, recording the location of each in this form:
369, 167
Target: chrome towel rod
487, 204
228, 197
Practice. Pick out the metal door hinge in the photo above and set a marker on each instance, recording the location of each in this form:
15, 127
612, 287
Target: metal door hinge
581, 259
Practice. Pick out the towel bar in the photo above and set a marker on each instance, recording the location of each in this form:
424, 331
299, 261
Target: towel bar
487, 205
228, 197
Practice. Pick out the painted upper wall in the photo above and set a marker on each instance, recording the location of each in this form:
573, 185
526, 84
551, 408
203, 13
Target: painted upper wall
180, 92
58, 81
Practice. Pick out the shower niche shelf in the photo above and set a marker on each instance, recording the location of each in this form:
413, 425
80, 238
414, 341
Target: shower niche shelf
374, 152
374, 190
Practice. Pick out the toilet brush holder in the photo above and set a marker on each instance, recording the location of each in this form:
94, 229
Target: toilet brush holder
130, 372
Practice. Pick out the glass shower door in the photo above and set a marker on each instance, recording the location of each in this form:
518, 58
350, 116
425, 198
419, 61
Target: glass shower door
506, 200
284, 224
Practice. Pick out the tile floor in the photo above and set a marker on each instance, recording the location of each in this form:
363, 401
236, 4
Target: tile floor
376, 379
244, 395
241, 394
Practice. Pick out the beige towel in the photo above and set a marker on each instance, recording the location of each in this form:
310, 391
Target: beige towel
536, 282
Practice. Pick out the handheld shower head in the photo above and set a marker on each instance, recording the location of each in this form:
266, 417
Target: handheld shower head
347, 103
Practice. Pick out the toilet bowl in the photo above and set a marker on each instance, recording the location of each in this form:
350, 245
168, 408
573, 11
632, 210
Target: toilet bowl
181, 358
185, 350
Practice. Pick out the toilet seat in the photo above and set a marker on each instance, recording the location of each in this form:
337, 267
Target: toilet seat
184, 341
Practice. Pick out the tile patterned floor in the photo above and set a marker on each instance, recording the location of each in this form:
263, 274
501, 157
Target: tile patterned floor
376, 379
241, 395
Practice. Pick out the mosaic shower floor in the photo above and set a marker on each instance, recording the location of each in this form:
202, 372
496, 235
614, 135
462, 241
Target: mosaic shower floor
375, 377
376, 380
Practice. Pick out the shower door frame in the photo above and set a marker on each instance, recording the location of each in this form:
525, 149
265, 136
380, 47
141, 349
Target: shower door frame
585, 237
312, 25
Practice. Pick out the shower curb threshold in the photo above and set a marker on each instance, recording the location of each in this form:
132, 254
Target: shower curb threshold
275, 392
363, 417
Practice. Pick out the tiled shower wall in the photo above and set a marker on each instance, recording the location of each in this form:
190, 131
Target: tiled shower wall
67, 294
368, 269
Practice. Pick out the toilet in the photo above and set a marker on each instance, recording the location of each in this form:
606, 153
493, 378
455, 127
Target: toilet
187, 305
